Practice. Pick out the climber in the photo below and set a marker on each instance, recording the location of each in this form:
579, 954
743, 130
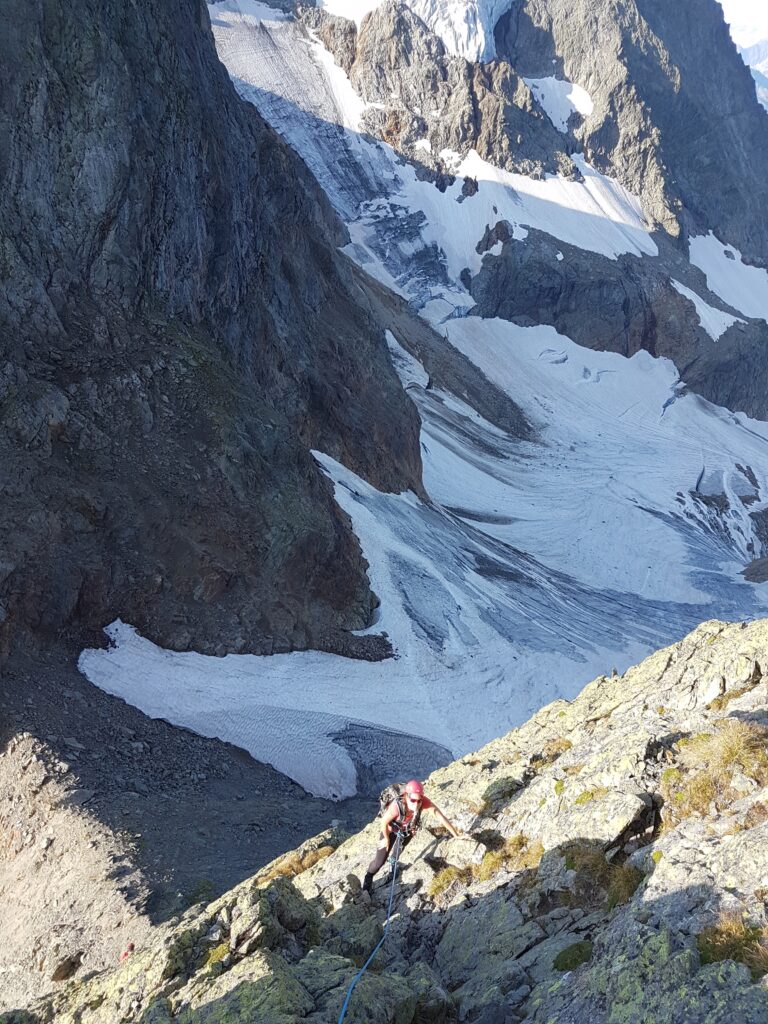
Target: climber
127, 952
402, 817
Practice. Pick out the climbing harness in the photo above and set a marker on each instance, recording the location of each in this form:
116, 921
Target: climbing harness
380, 943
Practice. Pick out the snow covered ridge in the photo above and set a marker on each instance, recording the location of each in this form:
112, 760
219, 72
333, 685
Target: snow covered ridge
298, 88
465, 26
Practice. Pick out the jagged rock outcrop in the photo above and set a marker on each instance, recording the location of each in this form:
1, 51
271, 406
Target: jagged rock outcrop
428, 104
655, 124
176, 334
615, 871
692, 142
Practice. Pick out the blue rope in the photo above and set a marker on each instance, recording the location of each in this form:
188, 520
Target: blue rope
380, 943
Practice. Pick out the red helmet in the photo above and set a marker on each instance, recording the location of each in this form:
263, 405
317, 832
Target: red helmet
414, 788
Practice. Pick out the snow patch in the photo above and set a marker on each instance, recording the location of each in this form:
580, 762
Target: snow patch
597, 214
560, 99
741, 286
409, 370
714, 321
352, 10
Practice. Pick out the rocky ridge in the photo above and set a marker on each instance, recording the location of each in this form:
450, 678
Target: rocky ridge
431, 105
690, 141
615, 871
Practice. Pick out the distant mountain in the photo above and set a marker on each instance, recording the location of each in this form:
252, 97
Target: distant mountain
756, 58
757, 55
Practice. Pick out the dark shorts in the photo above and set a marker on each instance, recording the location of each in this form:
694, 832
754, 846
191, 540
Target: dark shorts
382, 853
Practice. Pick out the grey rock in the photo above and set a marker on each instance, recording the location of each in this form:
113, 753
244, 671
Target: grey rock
419, 92
624, 305
663, 122
193, 241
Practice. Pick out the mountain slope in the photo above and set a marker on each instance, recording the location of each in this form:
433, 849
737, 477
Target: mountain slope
692, 141
579, 504
615, 871
176, 333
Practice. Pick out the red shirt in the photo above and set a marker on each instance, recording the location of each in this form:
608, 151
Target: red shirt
410, 812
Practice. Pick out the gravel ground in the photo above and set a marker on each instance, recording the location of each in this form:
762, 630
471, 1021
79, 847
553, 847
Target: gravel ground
200, 814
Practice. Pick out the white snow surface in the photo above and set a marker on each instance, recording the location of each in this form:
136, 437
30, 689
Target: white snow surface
535, 565
250, 10
465, 26
741, 286
714, 321
560, 99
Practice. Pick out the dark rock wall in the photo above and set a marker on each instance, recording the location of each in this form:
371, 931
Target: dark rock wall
625, 305
175, 335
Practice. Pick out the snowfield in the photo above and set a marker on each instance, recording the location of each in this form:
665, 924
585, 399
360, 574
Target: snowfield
560, 99
535, 564
714, 321
743, 287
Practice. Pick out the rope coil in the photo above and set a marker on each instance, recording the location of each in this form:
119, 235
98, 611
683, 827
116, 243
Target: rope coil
380, 943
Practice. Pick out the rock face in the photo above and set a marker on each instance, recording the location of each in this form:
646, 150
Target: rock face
688, 142
694, 143
430, 105
176, 335
615, 870
625, 305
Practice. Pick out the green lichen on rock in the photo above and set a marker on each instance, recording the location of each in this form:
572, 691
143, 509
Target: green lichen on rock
588, 795
573, 956
499, 793
377, 999
217, 954
262, 989
650, 976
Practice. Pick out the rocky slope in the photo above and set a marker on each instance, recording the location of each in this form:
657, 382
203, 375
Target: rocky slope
176, 333
110, 821
615, 871
675, 112
405, 75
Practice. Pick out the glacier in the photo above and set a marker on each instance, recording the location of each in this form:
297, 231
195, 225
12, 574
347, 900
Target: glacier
533, 563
